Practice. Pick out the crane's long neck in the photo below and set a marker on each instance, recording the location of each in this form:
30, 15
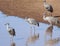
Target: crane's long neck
44, 17
7, 26
44, 2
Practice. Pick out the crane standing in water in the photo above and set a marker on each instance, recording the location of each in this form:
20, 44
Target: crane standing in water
32, 22
33, 38
51, 19
10, 30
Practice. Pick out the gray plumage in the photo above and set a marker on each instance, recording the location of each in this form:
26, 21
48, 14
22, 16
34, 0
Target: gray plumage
10, 30
48, 6
32, 21
49, 30
51, 19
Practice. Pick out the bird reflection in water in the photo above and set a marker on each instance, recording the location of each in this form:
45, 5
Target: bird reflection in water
12, 44
49, 32
32, 39
52, 42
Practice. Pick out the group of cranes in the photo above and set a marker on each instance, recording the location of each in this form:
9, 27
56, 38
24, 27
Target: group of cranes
48, 32
33, 38
32, 21
50, 18
12, 31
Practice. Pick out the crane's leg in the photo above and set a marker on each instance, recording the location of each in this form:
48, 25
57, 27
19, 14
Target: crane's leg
26, 43
51, 35
11, 38
31, 30
34, 30
56, 22
50, 14
45, 37
50, 21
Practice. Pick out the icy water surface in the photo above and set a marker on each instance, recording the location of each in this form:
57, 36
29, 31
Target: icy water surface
23, 30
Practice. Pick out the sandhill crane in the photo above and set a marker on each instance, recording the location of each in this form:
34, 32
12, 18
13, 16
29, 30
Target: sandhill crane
10, 30
32, 22
52, 42
51, 19
49, 31
32, 39
48, 6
